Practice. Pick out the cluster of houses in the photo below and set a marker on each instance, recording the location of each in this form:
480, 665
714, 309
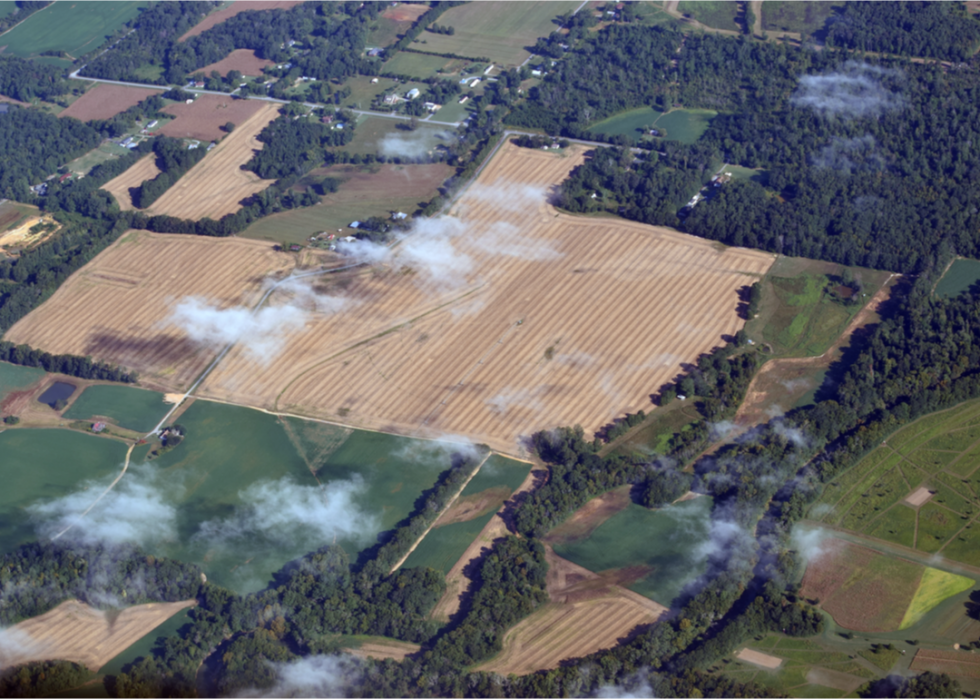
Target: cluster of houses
716, 181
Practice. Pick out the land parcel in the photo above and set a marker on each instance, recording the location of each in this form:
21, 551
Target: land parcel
75, 28
104, 101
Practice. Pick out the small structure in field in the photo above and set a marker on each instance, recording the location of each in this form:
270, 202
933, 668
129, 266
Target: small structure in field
412, 94
98, 427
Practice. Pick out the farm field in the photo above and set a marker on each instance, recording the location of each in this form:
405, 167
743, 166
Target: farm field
471, 357
13, 377
379, 647
112, 308
217, 184
216, 18
870, 592
105, 101
367, 190
75, 28
658, 572
144, 646
126, 406
77, 632
394, 22
34, 468
243, 60
204, 118
144, 169
684, 125
939, 452
374, 134
13, 214
417, 65
960, 276
719, 14
499, 31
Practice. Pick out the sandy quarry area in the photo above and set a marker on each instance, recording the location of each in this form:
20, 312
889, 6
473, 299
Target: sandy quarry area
75, 631
770, 662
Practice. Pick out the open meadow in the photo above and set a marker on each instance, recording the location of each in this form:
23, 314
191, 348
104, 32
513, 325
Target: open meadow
77, 632
119, 187
683, 125
140, 272
919, 489
126, 406
104, 101
13, 377
217, 185
500, 31
203, 118
960, 276
366, 191
75, 28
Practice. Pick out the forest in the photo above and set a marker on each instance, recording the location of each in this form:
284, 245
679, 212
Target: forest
26, 80
174, 159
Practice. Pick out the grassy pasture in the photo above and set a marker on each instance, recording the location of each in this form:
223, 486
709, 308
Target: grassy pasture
624, 540
653, 434
798, 16
129, 407
43, 464
75, 28
719, 14
371, 131
940, 452
684, 125
935, 587
807, 320
631, 123
500, 31
13, 377
960, 276
417, 65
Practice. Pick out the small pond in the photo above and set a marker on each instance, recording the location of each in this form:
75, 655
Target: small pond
59, 390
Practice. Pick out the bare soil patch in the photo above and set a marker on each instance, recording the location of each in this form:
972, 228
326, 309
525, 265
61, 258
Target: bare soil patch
203, 118
770, 662
834, 679
473, 506
405, 12
216, 18
588, 517
76, 632
105, 101
144, 169
919, 497
952, 662
243, 60
383, 650
217, 185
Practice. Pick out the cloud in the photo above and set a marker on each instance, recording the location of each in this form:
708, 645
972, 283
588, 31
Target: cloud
413, 145
135, 511
508, 197
261, 333
301, 293
635, 687
847, 155
516, 397
855, 91
286, 513
442, 452
721, 430
314, 676
16, 646
809, 542
364, 251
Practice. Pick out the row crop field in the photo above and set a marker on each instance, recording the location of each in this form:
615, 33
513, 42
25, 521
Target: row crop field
76, 28
105, 101
919, 489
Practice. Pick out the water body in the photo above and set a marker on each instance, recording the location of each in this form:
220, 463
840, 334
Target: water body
59, 390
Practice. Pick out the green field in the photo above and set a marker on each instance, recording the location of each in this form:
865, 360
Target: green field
129, 407
76, 28
7, 7
145, 645
801, 16
719, 14
666, 540
372, 130
684, 125
960, 276
417, 65
444, 545
13, 377
938, 452
499, 31
40, 465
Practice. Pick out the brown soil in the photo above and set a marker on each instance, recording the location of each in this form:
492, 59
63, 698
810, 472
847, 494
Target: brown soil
405, 12
770, 662
216, 18
383, 650
203, 118
474, 506
587, 518
243, 60
105, 101
951, 662
144, 169
76, 632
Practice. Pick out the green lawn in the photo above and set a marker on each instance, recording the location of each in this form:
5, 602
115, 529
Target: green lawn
13, 377
666, 540
499, 31
76, 28
40, 465
960, 276
416, 65
633, 123
719, 14
684, 125
129, 407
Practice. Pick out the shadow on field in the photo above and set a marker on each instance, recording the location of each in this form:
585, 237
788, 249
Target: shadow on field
162, 348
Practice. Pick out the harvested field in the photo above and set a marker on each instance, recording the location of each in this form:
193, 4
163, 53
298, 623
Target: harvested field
243, 60
770, 662
383, 649
541, 336
919, 497
105, 101
114, 307
217, 185
144, 169
952, 662
216, 18
470, 507
76, 632
405, 12
593, 513
204, 118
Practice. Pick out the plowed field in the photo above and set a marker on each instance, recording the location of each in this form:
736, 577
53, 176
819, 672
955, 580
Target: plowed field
568, 320
205, 116
76, 632
216, 185
144, 169
104, 101
242, 60
116, 307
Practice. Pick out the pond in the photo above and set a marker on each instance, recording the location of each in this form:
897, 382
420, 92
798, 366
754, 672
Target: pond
59, 390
